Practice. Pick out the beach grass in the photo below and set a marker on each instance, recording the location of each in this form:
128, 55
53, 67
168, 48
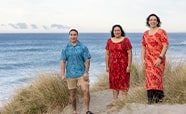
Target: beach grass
174, 84
49, 93
101, 83
45, 94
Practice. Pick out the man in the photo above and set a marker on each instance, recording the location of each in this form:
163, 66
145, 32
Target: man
75, 63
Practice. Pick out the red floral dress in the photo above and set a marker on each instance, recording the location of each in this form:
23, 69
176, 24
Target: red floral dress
153, 46
118, 62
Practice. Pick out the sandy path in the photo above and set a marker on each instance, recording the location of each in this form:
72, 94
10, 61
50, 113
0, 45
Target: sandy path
99, 100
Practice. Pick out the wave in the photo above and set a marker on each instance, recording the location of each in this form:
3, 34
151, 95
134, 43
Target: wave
24, 49
30, 50
8, 66
183, 43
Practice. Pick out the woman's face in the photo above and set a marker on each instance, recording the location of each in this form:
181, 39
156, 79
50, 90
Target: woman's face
153, 22
117, 32
73, 36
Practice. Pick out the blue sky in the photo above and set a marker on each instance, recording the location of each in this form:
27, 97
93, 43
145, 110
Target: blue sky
89, 15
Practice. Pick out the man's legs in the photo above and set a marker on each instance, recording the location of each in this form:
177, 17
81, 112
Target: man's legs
73, 99
86, 94
72, 83
84, 84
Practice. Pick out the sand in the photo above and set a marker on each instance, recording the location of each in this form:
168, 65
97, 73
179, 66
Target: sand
100, 100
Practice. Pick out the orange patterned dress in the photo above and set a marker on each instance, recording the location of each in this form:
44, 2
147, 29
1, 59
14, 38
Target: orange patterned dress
118, 62
153, 46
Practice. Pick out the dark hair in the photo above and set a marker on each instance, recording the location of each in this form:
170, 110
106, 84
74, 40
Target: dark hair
122, 31
73, 30
158, 19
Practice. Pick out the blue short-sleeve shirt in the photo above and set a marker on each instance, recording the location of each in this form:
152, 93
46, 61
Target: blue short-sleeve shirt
75, 57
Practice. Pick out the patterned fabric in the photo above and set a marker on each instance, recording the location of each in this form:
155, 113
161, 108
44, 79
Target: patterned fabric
75, 57
118, 62
153, 46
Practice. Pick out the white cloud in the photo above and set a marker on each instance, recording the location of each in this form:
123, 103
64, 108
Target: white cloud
22, 25
59, 26
45, 27
34, 26
13, 26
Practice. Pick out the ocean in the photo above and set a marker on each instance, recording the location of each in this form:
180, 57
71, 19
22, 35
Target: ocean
24, 55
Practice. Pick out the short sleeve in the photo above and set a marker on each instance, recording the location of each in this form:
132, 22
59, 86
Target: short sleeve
143, 40
107, 45
164, 38
63, 55
86, 53
128, 45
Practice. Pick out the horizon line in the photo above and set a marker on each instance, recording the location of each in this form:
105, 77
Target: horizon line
67, 32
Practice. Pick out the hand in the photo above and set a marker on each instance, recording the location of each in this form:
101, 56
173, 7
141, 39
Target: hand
128, 69
63, 78
86, 76
157, 62
107, 69
143, 62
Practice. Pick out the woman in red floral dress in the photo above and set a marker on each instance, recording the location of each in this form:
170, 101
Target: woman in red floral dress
154, 47
118, 60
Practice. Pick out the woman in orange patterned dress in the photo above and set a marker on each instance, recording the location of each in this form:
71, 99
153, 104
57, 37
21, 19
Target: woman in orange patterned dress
118, 60
154, 47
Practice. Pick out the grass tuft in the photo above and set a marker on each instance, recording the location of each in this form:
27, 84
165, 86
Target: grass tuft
43, 95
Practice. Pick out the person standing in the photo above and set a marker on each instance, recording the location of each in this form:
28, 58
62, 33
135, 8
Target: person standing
154, 47
118, 59
75, 62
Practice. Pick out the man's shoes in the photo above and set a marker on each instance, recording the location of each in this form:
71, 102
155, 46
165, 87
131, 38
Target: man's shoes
89, 112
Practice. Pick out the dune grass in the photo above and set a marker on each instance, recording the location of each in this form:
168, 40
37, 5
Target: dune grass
101, 83
174, 83
49, 94
46, 94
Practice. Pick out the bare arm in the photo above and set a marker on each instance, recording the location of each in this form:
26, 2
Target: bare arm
129, 59
106, 60
63, 63
162, 54
87, 66
164, 50
143, 54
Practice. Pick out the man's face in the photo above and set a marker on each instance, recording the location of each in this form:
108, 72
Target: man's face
73, 36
